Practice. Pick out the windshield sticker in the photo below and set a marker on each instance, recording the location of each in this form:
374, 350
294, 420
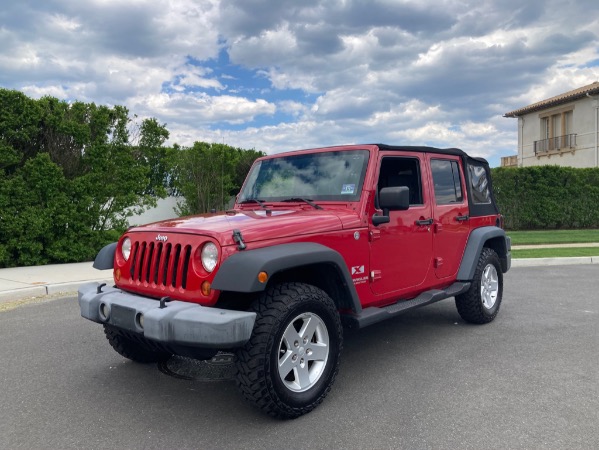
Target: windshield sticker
348, 189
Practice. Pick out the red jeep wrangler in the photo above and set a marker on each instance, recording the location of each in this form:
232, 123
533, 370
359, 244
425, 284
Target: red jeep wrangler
317, 238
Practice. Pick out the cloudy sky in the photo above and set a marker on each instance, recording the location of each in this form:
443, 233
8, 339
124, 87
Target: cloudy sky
286, 74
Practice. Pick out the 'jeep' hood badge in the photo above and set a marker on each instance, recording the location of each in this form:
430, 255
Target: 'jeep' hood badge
162, 238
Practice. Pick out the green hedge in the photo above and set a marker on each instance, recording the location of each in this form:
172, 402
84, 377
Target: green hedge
547, 197
70, 175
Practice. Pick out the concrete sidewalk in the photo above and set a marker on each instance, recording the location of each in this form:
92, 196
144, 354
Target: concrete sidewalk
23, 282
26, 282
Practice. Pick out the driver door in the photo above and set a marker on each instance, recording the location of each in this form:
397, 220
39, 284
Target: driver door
401, 250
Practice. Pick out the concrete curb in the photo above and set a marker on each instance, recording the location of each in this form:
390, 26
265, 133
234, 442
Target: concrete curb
18, 294
534, 246
43, 290
71, 286
534, 262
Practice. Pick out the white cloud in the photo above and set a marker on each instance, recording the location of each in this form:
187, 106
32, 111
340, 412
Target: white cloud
291, 107
202, 109
415, 72
481, 129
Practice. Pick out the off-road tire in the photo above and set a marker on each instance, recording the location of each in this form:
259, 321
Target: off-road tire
258, 376
132, 349
474, 305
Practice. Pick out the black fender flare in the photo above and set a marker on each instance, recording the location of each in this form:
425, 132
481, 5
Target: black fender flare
239, 272
105, 257
476, 241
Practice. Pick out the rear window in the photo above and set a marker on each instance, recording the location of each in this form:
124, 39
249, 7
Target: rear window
479, 184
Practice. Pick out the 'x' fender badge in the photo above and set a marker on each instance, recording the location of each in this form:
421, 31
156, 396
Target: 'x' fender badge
357, 270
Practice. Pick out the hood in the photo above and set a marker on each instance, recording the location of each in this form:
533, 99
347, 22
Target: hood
257, 225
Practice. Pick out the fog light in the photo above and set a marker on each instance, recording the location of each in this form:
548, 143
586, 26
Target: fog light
139, 320
104, 312
206, 288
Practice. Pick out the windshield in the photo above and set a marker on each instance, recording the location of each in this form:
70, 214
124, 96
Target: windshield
332, 176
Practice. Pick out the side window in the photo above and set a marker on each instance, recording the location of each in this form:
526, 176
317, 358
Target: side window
402, 172
447, 180
479, 184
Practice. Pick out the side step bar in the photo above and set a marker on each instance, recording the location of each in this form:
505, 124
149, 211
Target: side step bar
372, 314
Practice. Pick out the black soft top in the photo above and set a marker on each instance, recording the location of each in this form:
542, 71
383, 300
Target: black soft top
473, 178
424, 149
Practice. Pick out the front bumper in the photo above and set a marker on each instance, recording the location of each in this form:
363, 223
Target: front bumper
179, 323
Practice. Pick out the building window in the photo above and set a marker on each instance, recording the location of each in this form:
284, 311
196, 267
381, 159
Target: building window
567, 120
556, 131
545, 128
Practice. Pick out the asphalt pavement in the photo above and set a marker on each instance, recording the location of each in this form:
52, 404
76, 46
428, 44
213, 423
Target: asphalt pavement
423, 380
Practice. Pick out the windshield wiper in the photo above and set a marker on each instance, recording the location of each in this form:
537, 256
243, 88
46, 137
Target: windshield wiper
305, 200
254, 200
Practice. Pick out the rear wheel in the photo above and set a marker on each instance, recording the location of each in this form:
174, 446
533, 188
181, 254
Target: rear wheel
134, 349
480, 304
290, 362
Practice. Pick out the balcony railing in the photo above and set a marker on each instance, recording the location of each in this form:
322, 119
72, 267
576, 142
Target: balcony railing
555, 143
509, 161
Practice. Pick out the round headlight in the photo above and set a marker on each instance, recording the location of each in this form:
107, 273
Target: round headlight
126, 248
209, 256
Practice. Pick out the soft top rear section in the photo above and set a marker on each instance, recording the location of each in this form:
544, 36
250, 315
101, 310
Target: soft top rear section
481, 200
478, 177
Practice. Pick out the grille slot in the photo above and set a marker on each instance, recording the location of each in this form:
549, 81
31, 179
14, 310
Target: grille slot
160, 264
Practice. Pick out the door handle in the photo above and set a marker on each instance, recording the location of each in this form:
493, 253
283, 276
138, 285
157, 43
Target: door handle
424, 223
462, 218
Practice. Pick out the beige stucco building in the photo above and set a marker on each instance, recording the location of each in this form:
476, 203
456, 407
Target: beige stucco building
562, 130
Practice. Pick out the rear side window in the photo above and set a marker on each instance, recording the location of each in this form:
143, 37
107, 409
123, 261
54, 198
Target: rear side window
447, 180
479, 184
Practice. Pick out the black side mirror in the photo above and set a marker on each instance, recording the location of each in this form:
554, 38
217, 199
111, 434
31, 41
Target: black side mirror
392, 199
395, 198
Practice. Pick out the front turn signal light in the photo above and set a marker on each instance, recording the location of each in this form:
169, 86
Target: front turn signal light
262, 277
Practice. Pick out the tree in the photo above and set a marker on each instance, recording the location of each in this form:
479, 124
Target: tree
207, 175
20, 117
70, 177
151, 152
245, 159
36, 212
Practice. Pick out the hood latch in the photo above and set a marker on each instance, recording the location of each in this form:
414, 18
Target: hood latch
237, 237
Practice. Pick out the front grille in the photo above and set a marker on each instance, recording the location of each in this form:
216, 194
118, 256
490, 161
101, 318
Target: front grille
160, 264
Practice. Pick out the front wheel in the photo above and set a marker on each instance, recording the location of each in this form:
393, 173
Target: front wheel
290, 362
480, 304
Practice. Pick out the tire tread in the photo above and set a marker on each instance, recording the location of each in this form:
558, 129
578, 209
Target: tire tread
132, 350
252, 359
469, 304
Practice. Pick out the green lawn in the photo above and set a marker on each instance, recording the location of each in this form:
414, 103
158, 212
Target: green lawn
555, 252
553, 237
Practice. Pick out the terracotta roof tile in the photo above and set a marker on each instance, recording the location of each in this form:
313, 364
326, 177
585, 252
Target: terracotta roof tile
590, 89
